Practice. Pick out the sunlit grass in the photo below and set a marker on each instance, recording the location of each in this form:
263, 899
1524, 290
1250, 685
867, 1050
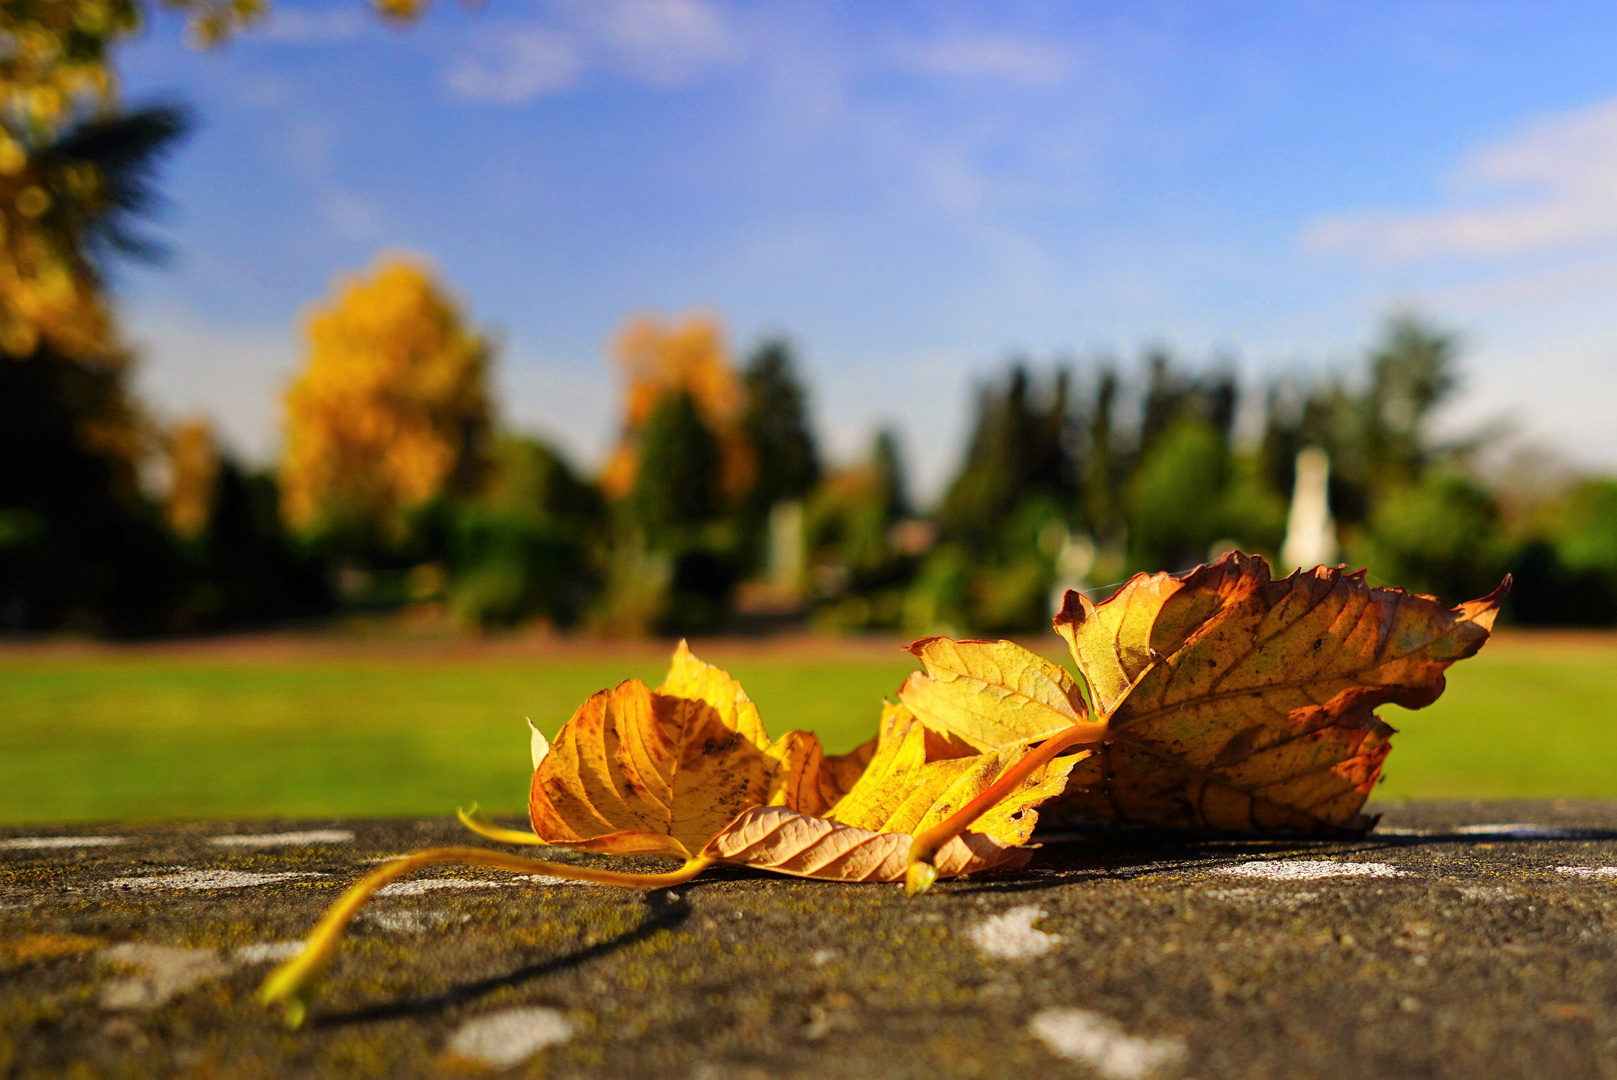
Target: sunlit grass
1533, 715
171, 734
158, 735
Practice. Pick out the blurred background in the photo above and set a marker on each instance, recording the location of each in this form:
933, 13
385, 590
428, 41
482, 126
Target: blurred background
376, 376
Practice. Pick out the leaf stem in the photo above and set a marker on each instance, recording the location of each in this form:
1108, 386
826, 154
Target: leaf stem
921, 871
289, 983
479, 822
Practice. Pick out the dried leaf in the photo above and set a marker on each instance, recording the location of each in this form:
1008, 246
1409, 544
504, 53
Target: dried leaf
687, 770
991, 694
1262, 715
1259, 712
638, 771
916, 779
789, 842
679, 770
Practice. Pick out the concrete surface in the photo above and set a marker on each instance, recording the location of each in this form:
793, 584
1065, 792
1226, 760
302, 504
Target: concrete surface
1458, 940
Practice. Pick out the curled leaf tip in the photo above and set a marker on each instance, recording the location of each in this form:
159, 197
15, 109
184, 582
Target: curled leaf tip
481, 824
288, 986
538, 745
918, 877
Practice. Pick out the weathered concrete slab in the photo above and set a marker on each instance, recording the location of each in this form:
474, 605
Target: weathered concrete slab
1462, 940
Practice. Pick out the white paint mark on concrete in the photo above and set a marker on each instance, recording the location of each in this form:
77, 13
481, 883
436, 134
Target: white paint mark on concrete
1264, 897
1101, 1042
1311, 869
48, 843
166, 972
285, 839
427, 885
413, 922
1587, 871
1011, 936
207, 879
1520, 829
1487, 893
266, 951
507, 1038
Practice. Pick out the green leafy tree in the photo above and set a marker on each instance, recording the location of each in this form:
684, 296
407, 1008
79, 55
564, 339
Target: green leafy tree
1175, 496
889, 475
1019, 449
1440, 536
528, 546
861, 568
1378, 436
677, 508
1412, 372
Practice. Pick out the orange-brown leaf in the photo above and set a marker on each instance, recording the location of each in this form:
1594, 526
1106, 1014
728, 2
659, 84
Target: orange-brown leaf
1260, 713
789, 842
640, 772
687, 770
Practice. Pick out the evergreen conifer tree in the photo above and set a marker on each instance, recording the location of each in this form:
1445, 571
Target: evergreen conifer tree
676, 488
776, 424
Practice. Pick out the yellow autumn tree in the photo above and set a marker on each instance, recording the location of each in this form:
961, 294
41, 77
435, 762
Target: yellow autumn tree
392, 408
689, 355
56, 71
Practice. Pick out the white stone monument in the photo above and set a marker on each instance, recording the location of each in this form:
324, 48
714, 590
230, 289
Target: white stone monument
1310, 529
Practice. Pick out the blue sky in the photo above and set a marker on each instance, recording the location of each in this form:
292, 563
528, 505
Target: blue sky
910, 191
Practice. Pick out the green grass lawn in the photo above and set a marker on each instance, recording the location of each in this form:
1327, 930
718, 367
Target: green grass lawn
145, 734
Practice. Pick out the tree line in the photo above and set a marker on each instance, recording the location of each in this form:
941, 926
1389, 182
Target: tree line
398, 489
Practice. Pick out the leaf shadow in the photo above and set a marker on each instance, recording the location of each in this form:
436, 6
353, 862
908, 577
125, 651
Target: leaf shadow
665, 910
1129, 854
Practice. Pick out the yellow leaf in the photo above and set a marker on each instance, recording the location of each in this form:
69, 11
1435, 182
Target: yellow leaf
641, 771
915, 780
689, 677
992, 694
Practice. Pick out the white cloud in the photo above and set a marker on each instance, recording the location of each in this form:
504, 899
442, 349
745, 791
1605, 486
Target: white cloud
661, 43
1555, 391
1549, 188
573, 403
1010, 59
352, 217
232, 376
292, 26
517, 65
